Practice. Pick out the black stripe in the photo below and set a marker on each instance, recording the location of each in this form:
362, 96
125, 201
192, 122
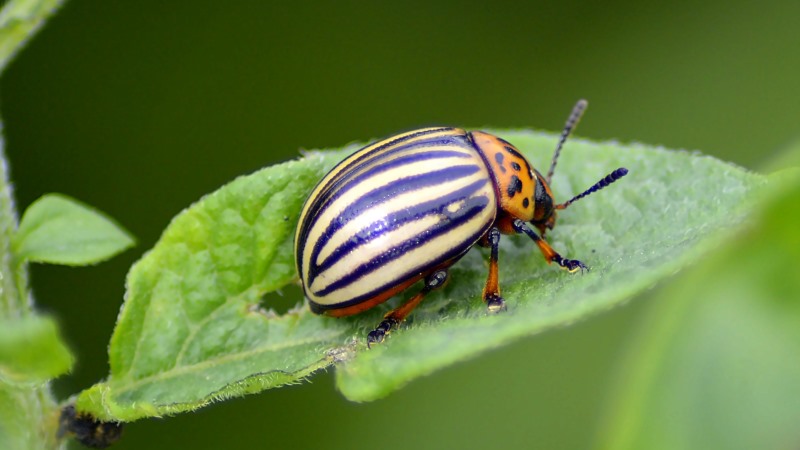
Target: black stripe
385, 194
392, 222
339, 186
336, 187
473, 207
347, 165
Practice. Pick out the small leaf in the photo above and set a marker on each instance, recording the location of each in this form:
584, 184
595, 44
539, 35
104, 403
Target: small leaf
57, 229
716, 362
31, 351
191, 330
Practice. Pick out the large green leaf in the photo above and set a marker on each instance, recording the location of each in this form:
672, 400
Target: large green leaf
193, 329
716, 365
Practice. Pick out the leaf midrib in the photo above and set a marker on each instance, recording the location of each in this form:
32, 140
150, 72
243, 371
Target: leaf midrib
227, 358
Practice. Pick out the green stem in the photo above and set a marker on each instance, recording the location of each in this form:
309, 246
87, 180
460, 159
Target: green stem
35, 406
12, 297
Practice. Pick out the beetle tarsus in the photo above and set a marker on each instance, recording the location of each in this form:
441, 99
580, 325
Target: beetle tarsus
433, 281
377, 335
495, 304
571, 265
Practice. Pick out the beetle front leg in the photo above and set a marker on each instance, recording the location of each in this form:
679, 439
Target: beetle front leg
491, 291
571, 265
397, 315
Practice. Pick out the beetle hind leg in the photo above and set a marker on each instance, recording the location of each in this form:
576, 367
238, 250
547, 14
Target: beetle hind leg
397, 315
491, 291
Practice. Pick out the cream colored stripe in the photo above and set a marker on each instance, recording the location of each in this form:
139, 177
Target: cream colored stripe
383, 210
344, 164
411, 261
370, 164
336, 208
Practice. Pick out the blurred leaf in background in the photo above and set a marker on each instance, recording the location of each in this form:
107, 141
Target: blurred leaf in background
715, 363
31, 351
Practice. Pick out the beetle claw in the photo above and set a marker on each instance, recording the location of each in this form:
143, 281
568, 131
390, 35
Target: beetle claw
495, 304
377, 335
571, 265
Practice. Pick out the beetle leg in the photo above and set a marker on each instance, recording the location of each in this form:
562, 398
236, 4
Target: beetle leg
491, 292
397, 315
571, 265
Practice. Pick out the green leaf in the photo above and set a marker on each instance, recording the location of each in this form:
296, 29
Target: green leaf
191, 330
716, 362
31, 351
57, 229
668, 211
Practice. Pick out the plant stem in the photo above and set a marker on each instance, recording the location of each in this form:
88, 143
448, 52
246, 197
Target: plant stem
12, 299
35, 406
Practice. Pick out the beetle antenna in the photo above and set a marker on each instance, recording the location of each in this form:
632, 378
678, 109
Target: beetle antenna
608, 179
572, 122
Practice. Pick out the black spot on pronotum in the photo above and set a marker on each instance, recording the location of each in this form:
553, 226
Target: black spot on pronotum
513, 151
88, 430
503, 141
499, 158
526, 202
516, 166
514, 186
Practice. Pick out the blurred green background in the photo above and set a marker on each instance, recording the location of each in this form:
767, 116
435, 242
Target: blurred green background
139, 108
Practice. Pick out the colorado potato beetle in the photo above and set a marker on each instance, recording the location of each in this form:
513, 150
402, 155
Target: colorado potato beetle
406, 208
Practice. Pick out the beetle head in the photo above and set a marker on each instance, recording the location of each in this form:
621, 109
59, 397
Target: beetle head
544, 212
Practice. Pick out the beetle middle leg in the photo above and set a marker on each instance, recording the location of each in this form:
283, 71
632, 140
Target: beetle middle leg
571, 265
397, 315
491, 291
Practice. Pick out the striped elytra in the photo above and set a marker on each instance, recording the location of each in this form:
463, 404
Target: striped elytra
407, 207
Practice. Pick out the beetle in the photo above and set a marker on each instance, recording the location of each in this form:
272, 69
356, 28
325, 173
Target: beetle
407, 207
